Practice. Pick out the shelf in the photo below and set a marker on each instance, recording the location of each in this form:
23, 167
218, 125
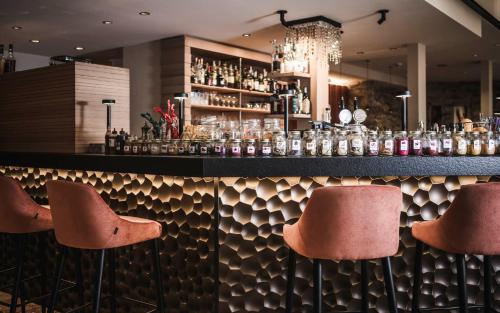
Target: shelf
291, 116
277, 75
227, 109
231, 90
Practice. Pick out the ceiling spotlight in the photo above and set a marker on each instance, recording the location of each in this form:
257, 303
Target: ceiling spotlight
17, 27
475, 55
497, 44
34, 41
247, 35
383, 16
79, 48
144, 13
107, 22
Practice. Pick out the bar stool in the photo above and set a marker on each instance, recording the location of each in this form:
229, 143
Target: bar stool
471, 225
82, 220
20, 216
346, 223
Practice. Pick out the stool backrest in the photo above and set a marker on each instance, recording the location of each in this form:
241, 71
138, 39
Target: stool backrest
352, 222
81, 217
16, 205
472, 222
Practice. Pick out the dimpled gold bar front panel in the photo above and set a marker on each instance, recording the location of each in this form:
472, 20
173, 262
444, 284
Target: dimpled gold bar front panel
253, 255
185, 208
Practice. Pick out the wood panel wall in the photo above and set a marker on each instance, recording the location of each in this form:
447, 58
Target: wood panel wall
58, 108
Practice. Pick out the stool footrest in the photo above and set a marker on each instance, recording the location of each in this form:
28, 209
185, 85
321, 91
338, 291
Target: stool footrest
442, 308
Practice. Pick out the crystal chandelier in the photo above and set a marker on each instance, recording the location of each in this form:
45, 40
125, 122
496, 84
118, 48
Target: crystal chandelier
317, 38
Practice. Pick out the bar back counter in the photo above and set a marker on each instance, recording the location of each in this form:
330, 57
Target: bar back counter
223, 249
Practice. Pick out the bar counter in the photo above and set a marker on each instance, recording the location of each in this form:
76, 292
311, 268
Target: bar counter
223, 249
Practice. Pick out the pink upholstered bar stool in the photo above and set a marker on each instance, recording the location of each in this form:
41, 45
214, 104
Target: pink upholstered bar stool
20, 216
471, 225
82, 220
346, 223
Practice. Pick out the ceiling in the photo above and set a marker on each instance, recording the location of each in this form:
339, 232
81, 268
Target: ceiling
60, 25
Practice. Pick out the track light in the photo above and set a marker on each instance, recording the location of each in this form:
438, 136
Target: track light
383, 16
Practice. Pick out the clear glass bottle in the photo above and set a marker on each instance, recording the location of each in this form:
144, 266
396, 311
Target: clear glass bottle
279, 143
356, 144
475, 143
459, 143
488, 144
265, 147
431, 144
220, 147
446, 143
401, 143
372, 143
386, 143
415, 143
325, 143
342, 143
249, 148
309, 143
234, 148
294, 143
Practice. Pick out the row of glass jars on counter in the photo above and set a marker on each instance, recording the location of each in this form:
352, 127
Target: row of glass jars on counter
327, 143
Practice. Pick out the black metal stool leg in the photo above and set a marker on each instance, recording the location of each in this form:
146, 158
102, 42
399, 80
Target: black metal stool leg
317, 289
57, 278
96, 306
462, 282
487, 283
42, 257
155, 252
112, 280
79, 278
389, 285
417, 277
290, 280
364, 286
20, 239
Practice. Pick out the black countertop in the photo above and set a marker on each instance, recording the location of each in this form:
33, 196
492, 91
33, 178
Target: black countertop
260, 167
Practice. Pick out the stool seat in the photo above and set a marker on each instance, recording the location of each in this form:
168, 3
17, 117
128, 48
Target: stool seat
471, 225
133, 230
20, 214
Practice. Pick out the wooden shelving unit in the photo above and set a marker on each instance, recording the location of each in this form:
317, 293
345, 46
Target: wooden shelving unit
291, 75
228, 109
231, 90
291, 116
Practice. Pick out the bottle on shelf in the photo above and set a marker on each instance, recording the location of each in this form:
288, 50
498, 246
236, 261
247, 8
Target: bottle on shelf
2, 60
107, 136
306, 103
10, 62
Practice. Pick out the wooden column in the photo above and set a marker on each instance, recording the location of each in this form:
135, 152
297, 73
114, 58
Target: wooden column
417, 80
319, 89
487, 87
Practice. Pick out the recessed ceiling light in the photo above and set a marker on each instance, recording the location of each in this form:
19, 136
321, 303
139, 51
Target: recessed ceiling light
144, 13
475, 55
247, 35
17, 27
497, 44
360, 52
34, 41
79, 48
107, 22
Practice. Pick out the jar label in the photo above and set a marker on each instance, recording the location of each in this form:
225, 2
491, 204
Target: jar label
433, 145
251, 150
111, 142
192, 149
135, 149
389, 144
447, 143
144, 148
126, 148
373, 146
203, 150
357, 143
154, 149
462, 144
403, 146
164, 149
416, 144
235, 149
217, 149
343, 145
477, 144
181, 149
310, 146
266, 150
280, 145
491, 144
326, 146
295, 144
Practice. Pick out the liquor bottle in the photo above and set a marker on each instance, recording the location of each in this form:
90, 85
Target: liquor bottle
220, 78
237, 75
256, 83
225, 74
120, 142
214, 74
112, 141
262, 87
230, 77
276, 65
2, 60
250, 82
306, 103
297, 99
208, 76
10, 62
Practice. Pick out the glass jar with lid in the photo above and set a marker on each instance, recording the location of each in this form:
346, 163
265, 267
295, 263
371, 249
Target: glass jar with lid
145, 147
155, 147
127, 146
446, 143
265, 147
401, 143
252, 129
270, 126
459, 143
498, 142
209, 130
488, 143
230, 130
294, 143
342, 143
279, 143
372, 143
194, 147
206, 147
183, 146
136, 146
386, 143
249, 148
234, 148
475, 143
431, 144
173, 147
164, 147
309, 143
325, 143
220, 147
415, 143
356, 144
